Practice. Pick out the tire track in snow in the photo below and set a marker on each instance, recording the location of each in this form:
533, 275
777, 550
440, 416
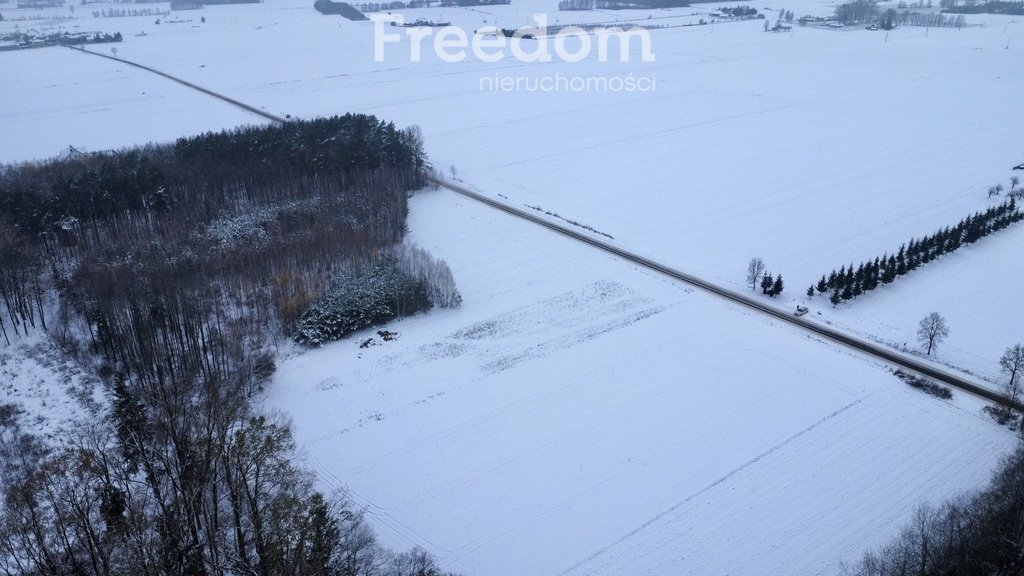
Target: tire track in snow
714, 484
378, 513
599, 480
647, 135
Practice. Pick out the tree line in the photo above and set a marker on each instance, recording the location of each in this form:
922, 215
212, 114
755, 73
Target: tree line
393, 5
981, 533
927, 19
857, 11
119, 500
123, 13
975, 7
570, 5
344, 9
174, 270
850, 282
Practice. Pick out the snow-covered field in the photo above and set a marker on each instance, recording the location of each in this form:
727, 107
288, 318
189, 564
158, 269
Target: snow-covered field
581, 416
53, 98
811, 149
578, 415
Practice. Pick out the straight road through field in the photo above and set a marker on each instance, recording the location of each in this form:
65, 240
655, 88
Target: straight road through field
888, 355
883, 353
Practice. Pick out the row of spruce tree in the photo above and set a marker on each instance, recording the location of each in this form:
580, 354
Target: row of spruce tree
850, 282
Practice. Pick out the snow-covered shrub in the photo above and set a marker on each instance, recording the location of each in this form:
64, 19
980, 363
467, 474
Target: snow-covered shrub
356, 301
248, 229
406, 280
925, 385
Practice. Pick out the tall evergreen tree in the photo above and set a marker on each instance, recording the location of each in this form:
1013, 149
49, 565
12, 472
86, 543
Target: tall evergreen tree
835, 298
822, 285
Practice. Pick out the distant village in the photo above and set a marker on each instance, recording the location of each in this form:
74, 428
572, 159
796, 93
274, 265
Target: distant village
175, 4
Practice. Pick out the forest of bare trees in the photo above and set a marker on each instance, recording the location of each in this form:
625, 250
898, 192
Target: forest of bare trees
173, 271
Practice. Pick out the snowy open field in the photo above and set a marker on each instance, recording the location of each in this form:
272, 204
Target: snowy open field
577, 415
812, 149
580, 416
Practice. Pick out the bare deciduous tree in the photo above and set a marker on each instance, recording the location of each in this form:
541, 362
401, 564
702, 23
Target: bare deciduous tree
1012, 364
754, 270
931, 331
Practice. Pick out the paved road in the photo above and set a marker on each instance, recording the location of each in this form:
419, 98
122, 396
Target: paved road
883, 353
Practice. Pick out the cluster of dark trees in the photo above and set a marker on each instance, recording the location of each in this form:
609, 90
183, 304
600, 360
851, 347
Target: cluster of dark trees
257, 220
782, 23
739, 11
867, 11
450, 3
926, 19
405, 281
395, 5
25, 40
412, 4
771, 285
991, 7
889, 19
857, 11
344, 9
981, 533
97, 38
124, 13
174, 270
850, 282
758, 276
620, 4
